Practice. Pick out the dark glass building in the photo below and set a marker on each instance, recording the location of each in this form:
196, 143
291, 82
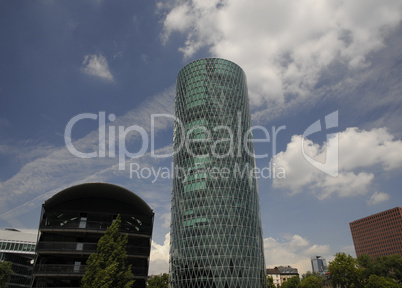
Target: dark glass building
216, 237
73, 221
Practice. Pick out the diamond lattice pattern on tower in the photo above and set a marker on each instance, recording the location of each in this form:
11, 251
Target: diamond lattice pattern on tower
216, 237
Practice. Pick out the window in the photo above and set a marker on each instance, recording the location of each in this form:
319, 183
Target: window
83, 220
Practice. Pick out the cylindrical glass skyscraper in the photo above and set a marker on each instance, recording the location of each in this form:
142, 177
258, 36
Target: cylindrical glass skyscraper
216, 236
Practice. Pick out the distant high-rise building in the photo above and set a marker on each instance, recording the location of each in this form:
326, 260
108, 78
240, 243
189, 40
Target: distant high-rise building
216, 236
379, 234
319, 264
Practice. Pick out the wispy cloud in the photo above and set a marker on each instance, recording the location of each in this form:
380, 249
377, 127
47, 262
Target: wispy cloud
378, 197
26, 151
48, 174
97, 65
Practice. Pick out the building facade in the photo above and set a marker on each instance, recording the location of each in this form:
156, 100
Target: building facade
287, 272
74, 220
379, 234
319, 265
276, 276
216, 237
18, 248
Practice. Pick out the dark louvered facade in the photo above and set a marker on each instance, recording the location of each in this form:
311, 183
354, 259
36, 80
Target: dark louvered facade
73, 221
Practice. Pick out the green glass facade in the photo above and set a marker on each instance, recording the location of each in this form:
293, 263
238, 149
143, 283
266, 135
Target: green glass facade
216, 236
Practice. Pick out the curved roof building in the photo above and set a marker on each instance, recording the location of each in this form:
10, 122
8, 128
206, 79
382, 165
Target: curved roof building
73, 221
216, 237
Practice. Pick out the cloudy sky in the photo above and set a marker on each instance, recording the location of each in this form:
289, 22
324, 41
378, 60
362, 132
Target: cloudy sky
324, 80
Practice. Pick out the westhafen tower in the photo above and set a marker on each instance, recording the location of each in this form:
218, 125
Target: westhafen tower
216, 236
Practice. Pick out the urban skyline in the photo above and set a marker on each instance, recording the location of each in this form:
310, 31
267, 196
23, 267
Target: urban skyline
304, 61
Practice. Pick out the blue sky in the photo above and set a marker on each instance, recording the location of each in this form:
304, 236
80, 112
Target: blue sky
303, 60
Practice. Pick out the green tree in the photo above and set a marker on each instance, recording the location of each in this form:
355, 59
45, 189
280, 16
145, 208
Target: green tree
381, 266
375, 281
270, 282
107, 268
394, 263
159, 281
293, 282
386, 266
312, 282
5, 273
345, 272
367, 266
315, 274
309, 273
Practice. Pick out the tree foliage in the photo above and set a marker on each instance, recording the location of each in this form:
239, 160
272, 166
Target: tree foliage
312, 282
348, 272
161, 281
345, 272
107, 268
317, 278
293, 282
5, 273
375, 281
316, 274
386, 267
270, 282
366, 272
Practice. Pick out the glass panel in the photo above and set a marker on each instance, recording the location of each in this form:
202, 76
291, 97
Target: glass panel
77, 265
83, 222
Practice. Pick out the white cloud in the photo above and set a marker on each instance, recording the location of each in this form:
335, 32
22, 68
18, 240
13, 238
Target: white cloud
358, 150
378, 197
177, 19
284, 46
97, 65
166, 220
295, 251
159, 258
